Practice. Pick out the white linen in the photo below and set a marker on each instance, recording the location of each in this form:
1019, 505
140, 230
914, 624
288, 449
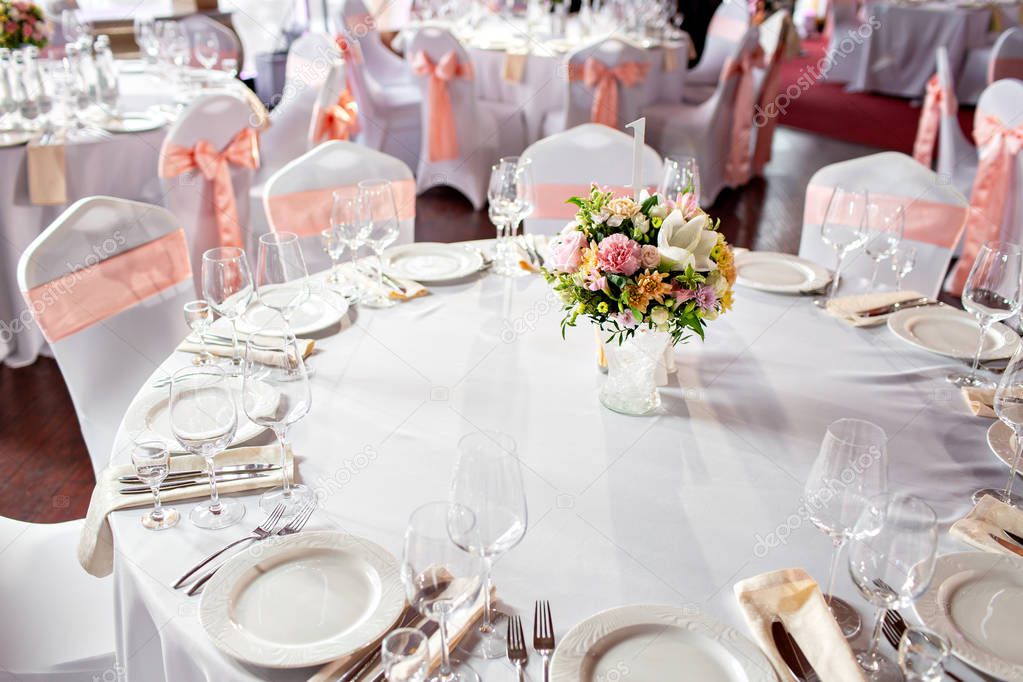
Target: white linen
622, 510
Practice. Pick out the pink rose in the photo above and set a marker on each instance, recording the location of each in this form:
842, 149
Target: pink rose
619, 254
567, 251
649, 256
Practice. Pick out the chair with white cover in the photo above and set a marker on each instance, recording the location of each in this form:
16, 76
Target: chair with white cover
996, 202
383, 65
230, 45
727, 29
986, 64
935, 216
606, 84
718, 133
462, 135
774, 37
566, 164
206, 167
106, 283
58, 623
250, 19
845, 41
298, 198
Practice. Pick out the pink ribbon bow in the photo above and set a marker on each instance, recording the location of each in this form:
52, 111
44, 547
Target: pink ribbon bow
443, 134
990, 190
242, 151
739, 164
936, 100
339, 121
605, 81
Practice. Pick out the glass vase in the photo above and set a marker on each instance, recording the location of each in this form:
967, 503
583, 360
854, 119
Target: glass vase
631, 384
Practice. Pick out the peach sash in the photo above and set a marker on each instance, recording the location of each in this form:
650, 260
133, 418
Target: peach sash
938, 100
338, 121
765, 131
443, 133
727, 28
739, 164
1004, 67
77, 300
551, 199
999, 147
241, 151
604, 80
308, 213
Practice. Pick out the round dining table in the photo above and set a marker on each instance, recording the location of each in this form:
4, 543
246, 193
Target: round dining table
668, 509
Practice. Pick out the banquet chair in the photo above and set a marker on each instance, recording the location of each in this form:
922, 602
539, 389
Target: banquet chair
727, 29
843, 21
566, 164
250, 19
230, 45
957, 157
606, 84
988, 63
462, 135
935, 216
383, 65
106, 282
773, 36
211, 200
58, 623
298, 197
708, 131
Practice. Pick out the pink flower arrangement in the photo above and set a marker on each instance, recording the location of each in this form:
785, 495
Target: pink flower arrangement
23, 24
618, 254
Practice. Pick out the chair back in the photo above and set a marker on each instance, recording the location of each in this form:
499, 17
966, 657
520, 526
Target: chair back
727, 27
773, 36
616, 101
230, 45
1006, 55
360, 24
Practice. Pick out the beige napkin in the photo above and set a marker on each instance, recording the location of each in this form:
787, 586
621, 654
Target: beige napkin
96, 543
989, 517
514, 66
264, 357
792, 597
47, 180
412, 289
458, 629
981, 401
848, 308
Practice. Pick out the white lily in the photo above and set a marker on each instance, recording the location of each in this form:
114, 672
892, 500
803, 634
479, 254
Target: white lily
682, 243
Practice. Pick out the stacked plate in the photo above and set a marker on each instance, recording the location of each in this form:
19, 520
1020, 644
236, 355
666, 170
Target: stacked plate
779, 273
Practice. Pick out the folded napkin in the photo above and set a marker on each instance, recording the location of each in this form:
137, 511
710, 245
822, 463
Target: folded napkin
514, 66
849, 308
989, 517
792, 597
981, 401
47, 180
96, 543
369, 283
263, 357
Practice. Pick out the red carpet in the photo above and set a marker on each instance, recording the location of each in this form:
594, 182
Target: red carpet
872, 120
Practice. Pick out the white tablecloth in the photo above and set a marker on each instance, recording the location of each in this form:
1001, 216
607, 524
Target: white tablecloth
622, 510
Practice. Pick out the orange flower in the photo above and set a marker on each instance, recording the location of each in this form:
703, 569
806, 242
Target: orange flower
650, 286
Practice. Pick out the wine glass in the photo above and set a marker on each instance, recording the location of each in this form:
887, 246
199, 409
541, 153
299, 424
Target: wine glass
275, 394
441, 579
405, 654
344, 219
334, 247
992, 294
227, 287
206, 48
146, 39
891, 561
378, 216
488, 480
151, 461
681, 175
922, 655
204, 419
511, 198
885, 228
903, 262
1008, 404
850, 469
198, 317
282, 280
229, 65
844, 229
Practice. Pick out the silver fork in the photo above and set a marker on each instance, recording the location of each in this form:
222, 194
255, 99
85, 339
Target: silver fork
543, 635
262, 531
517, 646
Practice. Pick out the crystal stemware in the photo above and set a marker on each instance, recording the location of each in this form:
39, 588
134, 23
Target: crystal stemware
198, 317
903, 262
681, 175
922, 655
511, 197
282, 280
206, 48
227, 287
844, 229
885, 227
151, 461
378, 216
345, 220
405, 654
1008, 404
334, 247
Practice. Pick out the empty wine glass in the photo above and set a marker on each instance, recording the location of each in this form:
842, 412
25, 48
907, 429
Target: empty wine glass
922, 655
851, 469
844, 229
903, 262
681, 175
992, 294
229, 65
378, 215
151, 461
334, 247
227, 287
198, 317
281, 276
441, 579
1008, 404
275, 394
488, 480
146, 38
891, 561
344, 219
206, 48
511, 198
885, 227
405, 654
204, 420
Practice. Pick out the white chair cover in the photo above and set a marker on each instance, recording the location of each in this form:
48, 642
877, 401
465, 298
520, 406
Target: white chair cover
230, 46
844, 44
298, 197
483, 134
58, 623
383, 65
250, 19
957, 157
1002, 100
988, 63
566, 164
729, 24
107, 342
935, 217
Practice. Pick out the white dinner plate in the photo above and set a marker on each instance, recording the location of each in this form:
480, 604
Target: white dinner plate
780, 273
312, 316
432, 263
657, 643
149, 413
1002, 442
952, 332
975, 600
132, 123
13, 139
302, 600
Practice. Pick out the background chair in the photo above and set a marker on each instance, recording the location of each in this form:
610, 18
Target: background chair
565, 164
957, 157
727, 28
935, 217
106, 283
774, 37
1003, 58
385, 67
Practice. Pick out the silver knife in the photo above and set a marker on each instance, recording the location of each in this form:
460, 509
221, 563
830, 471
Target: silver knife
199, 473
1017, 538
896, 307
791, 654
139, 489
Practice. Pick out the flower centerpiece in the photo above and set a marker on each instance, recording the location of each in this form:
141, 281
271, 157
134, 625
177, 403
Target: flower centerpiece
646, 272
22, 23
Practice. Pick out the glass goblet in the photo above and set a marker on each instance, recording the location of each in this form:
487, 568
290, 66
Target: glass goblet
198, 317
151, 461
405, 653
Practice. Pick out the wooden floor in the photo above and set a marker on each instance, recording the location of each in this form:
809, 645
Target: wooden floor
45, 475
